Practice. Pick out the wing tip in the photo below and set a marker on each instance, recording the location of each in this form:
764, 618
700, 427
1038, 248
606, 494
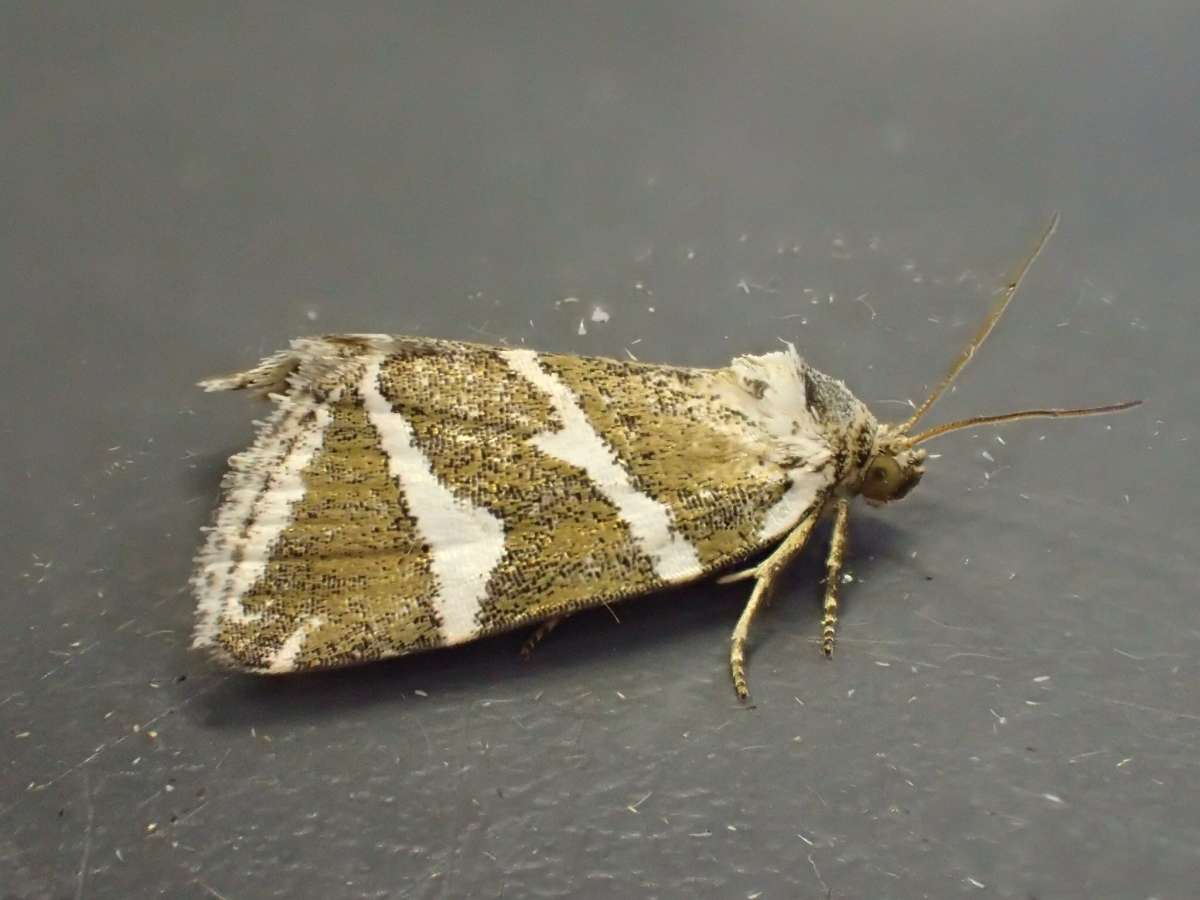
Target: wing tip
297, 366
272, 375
206, 640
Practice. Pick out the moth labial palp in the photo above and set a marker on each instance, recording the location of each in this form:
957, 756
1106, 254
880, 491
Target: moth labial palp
412, 493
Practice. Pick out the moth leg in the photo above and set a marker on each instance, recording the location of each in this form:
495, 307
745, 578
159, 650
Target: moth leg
538, 635
764, 579
833, 577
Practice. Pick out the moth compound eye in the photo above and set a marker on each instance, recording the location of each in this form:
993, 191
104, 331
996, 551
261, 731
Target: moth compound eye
883, 478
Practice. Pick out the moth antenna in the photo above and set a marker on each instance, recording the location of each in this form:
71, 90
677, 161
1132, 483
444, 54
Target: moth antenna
1012, 285
1017, 416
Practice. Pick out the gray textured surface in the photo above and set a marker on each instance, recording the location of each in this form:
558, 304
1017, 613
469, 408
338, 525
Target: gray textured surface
1013, 710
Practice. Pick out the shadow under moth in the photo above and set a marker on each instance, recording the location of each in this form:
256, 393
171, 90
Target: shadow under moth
410, 493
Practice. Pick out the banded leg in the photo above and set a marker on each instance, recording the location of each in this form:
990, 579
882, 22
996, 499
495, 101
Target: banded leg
833, 577
538, 635
765, 574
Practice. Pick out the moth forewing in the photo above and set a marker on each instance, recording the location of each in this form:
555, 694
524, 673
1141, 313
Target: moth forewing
411, 493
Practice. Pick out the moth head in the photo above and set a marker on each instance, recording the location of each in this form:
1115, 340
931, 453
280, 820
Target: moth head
892, 471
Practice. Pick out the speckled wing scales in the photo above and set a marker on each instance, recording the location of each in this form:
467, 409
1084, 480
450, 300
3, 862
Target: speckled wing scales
410, 493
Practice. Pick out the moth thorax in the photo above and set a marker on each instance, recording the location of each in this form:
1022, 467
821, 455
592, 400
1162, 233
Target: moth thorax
892, 472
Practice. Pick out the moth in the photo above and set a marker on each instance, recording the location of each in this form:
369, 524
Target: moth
410, 493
